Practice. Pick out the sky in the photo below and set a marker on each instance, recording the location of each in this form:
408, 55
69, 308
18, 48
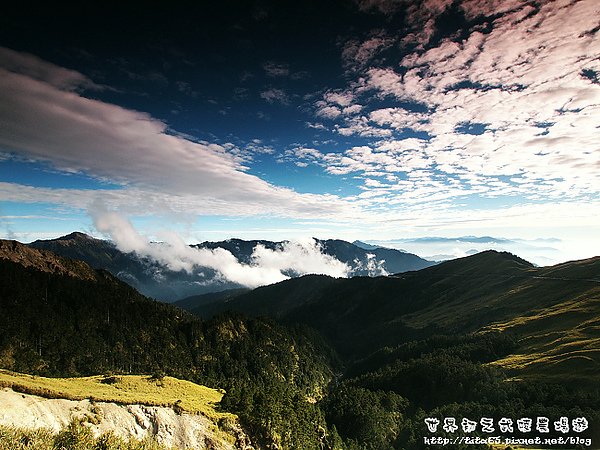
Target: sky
411, 123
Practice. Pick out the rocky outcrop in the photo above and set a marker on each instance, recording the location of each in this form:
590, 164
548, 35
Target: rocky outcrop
170, 428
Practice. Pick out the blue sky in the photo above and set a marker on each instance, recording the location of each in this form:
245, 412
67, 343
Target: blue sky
367, 119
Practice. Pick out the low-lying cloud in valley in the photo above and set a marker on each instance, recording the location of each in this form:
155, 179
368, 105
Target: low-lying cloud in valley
266, 266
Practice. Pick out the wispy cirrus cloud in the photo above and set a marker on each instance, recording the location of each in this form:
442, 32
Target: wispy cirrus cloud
144, 202
44, 71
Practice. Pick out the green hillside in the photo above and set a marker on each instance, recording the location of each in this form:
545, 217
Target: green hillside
487, 335
122, 389
560, 334
59, 324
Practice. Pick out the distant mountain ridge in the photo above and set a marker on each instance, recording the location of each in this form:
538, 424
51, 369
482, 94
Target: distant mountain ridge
363, 262
102, 254
156, 281
280, 299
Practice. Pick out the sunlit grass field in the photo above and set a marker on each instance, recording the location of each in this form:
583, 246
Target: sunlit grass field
559, 342
123, 389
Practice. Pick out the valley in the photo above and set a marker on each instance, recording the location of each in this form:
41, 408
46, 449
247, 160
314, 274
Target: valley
300, 225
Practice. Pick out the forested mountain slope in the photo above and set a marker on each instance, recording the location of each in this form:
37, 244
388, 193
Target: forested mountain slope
485, 336
62, 318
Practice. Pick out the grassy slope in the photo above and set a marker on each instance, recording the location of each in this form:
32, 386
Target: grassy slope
509, 294
561, 334
364, 305
555, 311
122, 389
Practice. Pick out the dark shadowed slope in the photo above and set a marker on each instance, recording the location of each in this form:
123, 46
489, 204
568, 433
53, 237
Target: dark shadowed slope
59, 317
189, 303
388, 297
44, 261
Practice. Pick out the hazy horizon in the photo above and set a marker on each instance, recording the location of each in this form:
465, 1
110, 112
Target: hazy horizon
541, 252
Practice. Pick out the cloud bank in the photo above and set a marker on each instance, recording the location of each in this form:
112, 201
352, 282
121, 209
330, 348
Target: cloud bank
266, 267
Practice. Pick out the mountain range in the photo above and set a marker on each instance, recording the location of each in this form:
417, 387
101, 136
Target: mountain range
323, 362
157, 281
489, 291
541, 251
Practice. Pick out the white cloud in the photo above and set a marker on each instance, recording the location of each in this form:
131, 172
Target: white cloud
402, 208
400, 118
120, 230
303, 152
357, 54
486, 8
142, 202
373, 266
256, 146
520, 82
301, 257
343, 99
71, 131
329, 112
38, 69
267, 266
420, 16
316, 126
388, 82
351, 110
360, 126
385, 159
274, 95
336, 104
